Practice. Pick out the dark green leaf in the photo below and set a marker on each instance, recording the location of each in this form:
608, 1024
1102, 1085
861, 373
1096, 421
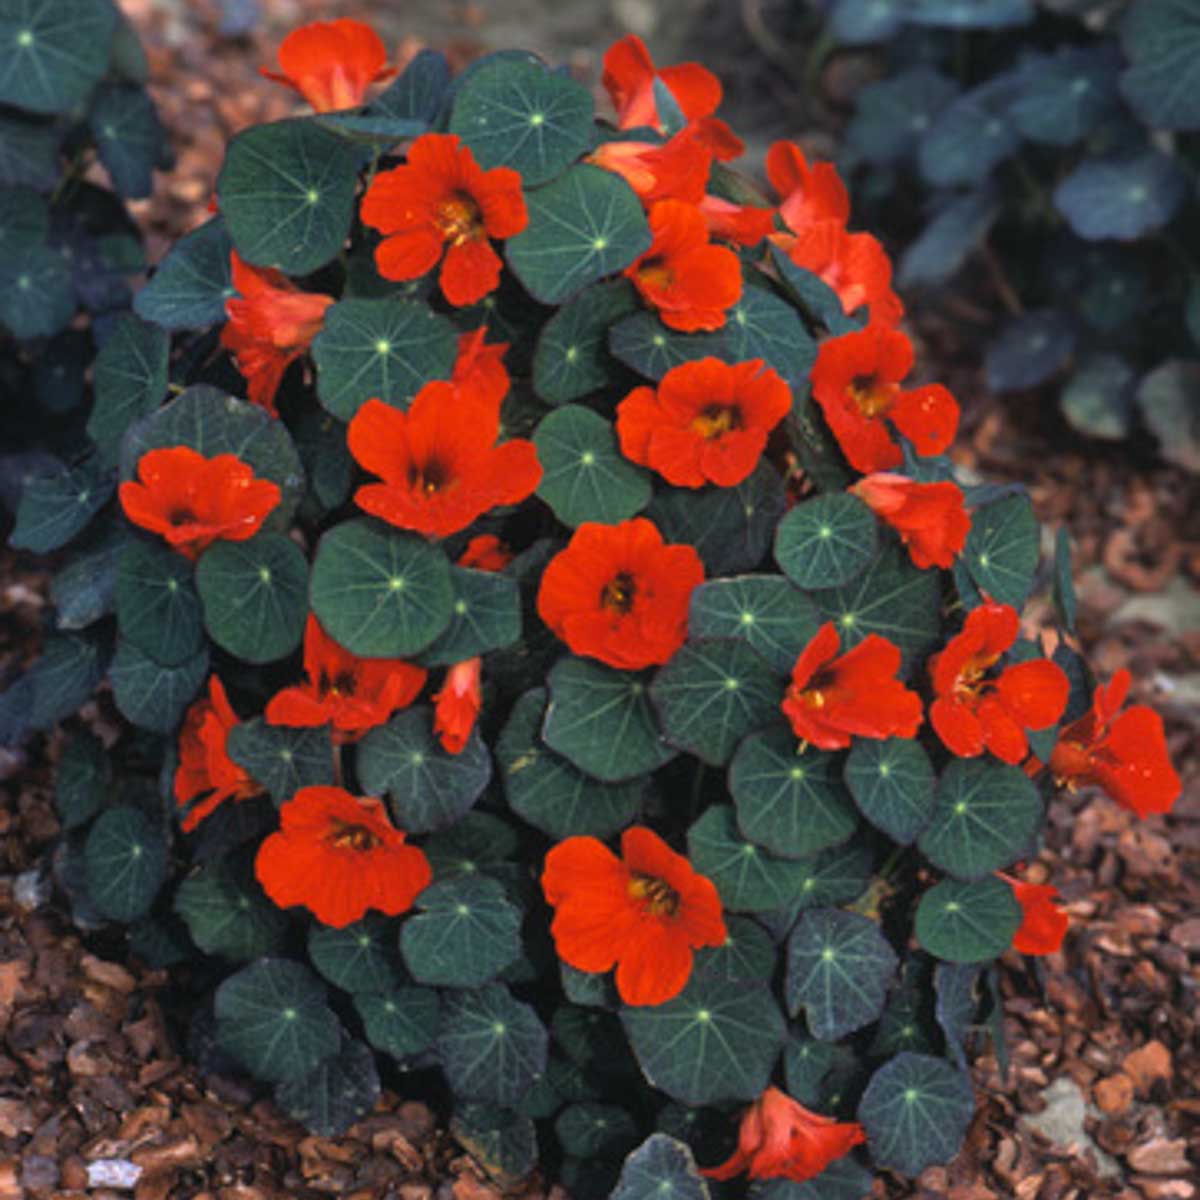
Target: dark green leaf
764, 611
192, 283
84, 588
37, 297
843, 1179
957, 1001
56, 506
893, 115
158, 610
1122, 196
25, 219
126, 862
152, 695
572, 358
593, 1130
908, 1022
280, 758
227, 913
825, 542
817, 300
746, 956
487, 616
335, 1093
403, 1022
1065, 603
29, 152
81, 780
1029, 350
643, 343
1064, 96
1161, 40
1167, 397
1098, 399
66, 674
943, 246
761, 325
969, 137
129, 137
501, 1140
661, 1168
892, 782
361, 957
968, 922
1001, 553
130, 378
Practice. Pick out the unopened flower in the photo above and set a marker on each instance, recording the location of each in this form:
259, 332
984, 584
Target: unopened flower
331, 63
929, 517
457, 705
206, 774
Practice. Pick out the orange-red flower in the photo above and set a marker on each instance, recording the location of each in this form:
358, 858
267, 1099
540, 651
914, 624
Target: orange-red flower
854, 265
856, 383
673, 170
781, 1139
331, 63
833, 698
457, 705
644, 912
439, 462
689, 280
485, 552
741, 223
807, 194
352, 694
193, 501
929, 517
205, 768
271, 324
1125, 753
442, 200
338, 855
707, 422
617, 593
1043, 923
479, 369
972, 711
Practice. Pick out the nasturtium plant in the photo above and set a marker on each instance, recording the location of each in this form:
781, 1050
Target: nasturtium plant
1058, 142
568, 661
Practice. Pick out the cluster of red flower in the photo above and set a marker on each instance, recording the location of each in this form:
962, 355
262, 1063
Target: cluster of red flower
617, 593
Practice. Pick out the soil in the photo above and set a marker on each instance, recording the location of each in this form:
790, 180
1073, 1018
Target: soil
1102, 1096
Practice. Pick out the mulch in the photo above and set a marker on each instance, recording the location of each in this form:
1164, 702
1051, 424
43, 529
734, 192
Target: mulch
96, 1097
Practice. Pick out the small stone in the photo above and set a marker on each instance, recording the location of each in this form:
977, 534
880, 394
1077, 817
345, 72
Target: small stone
1187, 934
1147, 1065
1114, 1095
1166, 1189
1161, 1157
114, 1173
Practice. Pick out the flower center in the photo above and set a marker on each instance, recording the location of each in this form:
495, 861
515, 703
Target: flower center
347, 836
717, 419
428, 479
655, 274
342, 684
970, 684
872, 396
659, 897
459, 219
181, 516
618, 593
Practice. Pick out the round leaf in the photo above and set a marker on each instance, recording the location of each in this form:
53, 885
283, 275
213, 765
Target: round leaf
1167, 399
62, 678
525, 116
915, 1111
643, 343
1001, 552
37, 297
968, 922
335, 1093
255, 596
382, 349
892, 783
985, 816
748, 878
572, 358
158, 610
126, 862
593, 1130
501, 1140
150, 694
764, 611
272, 1017
81, 780
130, 377
547, 791
1098, 398
286, 191
486, 617
282, 758
584, 476
129, 137
711, 695
56, 506
465, 933
825, 542
380, 593
791, 802
586, 224
1161, 40
427, 787
710, 1044
839, 968
761, 325
746, 956
361, 957
1124, 197
1029, 350
227, 914
192, 283
492, 1047
402, 1022
600, 720
661, 1168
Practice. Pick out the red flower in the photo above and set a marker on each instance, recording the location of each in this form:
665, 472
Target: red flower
644, 912
352, 694
479, 369
929, 517
781, 1139
673, 170
629, 75
1043, 923
486, 552
856, 382
439, 462
193, 501
972, 712
741, 223
205, 768
1125, 753
617, 593
854, 265
441, 199
338, 855
457, 705
332, 63
271, 324
707, 423
836, 697
690, 281
807, 194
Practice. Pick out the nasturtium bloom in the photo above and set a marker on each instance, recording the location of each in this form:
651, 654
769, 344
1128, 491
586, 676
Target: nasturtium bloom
205, 772
331, 63
930, 518
1125, 753
271, 324
643, 913
439, 462
683, 275
457, 704
781, 1139
973, 711
339, 856
485, 552
856, 384
442, 202
744, 224
836, 697
193, 501
707, 421
807, 193
676, 169
1043, 923
349, 693
617, 593
479, 369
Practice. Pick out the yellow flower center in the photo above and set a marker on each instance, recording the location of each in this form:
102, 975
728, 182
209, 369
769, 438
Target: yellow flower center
715, 420
871, 395
346, 836
459, 219
659, 897
618, 593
